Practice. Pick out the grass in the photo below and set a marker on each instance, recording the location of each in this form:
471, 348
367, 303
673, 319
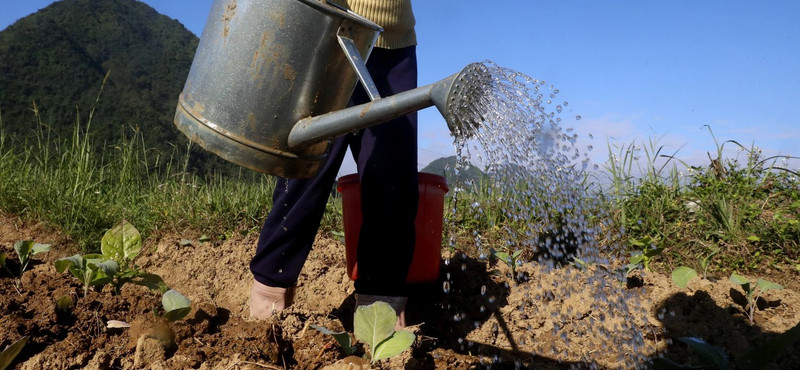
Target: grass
68, 185
747, 211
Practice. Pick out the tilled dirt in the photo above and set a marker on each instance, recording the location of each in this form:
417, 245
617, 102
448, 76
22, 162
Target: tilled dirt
483, 319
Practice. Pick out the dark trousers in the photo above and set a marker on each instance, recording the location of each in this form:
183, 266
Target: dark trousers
386, 158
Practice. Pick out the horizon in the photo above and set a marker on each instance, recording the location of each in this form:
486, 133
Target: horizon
639, 71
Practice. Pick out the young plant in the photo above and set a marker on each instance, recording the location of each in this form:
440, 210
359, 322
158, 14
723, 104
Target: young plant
753, 293
122, 244
90, 269
10, 353
510, 260
648, 251
682, 275
374, 326
26, 249
342, 337
176, 307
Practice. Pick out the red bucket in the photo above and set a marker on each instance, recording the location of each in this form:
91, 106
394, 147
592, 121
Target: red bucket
428, 248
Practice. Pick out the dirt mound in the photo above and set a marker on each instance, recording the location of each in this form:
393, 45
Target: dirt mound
479, 317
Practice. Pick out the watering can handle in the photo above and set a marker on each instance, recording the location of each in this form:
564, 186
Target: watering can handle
351, 51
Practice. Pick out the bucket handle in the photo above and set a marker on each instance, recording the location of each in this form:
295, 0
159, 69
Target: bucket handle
358, 63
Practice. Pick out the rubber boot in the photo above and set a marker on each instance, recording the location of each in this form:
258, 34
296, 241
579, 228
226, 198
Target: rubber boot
397, 303
265, 300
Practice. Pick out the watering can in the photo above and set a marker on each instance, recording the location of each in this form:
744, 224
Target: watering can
270, 83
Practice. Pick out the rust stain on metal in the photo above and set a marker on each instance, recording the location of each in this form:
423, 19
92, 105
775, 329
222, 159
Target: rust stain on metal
252, 122
230, 12
365, 110
289, 73
260, 56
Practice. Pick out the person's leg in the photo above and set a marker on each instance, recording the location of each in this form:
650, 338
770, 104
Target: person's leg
386, 157
288, 234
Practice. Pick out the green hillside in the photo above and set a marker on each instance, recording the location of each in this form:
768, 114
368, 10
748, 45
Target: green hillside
59, 56
444, 166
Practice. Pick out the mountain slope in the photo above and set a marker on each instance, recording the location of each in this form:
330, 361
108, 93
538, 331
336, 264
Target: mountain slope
59, 56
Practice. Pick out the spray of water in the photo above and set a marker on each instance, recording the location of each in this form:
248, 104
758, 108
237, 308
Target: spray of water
511, 124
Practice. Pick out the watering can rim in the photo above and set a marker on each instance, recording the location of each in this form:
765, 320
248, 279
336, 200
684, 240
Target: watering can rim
339, 11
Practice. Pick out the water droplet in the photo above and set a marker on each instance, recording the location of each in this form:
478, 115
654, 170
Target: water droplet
578, 118
446, 287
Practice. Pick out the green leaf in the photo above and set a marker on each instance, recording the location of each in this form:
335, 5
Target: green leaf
397, 343
204, 239
185, 242
65, 303
10, 353
709, 354
503, 257
2, 259
122, 243
637, 259
637, 243
653, 252
176, 305
374, 323
753, 238
39, 248
342, 337
682, 275
76, 264
761, 356
23, 249
765, 285
151, 281
738, 279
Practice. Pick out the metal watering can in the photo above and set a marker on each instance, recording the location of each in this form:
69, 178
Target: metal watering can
271, 79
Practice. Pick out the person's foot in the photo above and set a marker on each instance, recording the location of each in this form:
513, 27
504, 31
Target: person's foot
397, 303
265, 300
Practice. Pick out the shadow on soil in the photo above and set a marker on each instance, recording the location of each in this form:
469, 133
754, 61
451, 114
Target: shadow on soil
727, 328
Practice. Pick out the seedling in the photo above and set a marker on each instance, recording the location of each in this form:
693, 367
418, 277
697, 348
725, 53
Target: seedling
374, 326
90, 269
119, 246
510, 260
10, 353
122, 244
176, 307
753, 293
65, 303
682, 275
648, 251
26, 249
342, 337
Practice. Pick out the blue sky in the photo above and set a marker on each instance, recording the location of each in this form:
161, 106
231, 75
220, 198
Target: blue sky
634, 70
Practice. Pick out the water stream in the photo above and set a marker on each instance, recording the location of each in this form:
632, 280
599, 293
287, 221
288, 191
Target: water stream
512, 125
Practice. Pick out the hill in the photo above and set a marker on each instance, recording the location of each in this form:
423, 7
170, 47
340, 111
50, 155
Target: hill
444, 166
59, 56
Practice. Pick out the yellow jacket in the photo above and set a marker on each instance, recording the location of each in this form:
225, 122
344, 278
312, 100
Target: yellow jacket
395, 16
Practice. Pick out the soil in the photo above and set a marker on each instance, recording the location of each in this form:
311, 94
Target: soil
551, 319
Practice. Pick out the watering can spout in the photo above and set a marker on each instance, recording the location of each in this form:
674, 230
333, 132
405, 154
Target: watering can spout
311, 130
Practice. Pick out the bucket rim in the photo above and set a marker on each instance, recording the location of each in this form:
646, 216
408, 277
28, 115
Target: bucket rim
422, 178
